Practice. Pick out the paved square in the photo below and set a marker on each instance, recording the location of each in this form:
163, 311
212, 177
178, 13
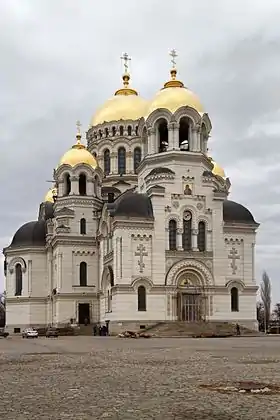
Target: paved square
101, 377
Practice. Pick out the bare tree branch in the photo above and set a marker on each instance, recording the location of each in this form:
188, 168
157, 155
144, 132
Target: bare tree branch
266, 297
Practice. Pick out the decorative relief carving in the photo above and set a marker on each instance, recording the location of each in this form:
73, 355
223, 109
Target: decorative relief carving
14, 261
141, 253
233, 256
175, 204
233, 241
199, 206
167, 209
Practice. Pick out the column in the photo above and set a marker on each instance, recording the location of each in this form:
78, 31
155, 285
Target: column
129, 163
176, 145
90, 186
170, 137
167, 239
180, 239
114, 163
151, 141
209, 240
195, 143
74, 185
29, 277
59, 272
253, 263
194, 239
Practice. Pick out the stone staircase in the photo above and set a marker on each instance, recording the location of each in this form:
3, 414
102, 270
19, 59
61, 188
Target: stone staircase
84, 330
197, 329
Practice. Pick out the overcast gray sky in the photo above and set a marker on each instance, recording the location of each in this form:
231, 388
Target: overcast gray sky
60, 61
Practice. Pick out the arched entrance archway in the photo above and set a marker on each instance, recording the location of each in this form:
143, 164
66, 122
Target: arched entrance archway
192, 281
191, 298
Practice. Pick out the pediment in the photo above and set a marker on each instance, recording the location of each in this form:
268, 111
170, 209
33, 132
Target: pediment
65, 211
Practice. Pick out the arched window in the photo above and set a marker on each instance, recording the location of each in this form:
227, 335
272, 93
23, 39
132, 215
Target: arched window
121, 130
162, 136
121, 161
113, 131
136, 157
184, 134
106, 132
82, 184
234, 299
172, 235
83, 226
107, 162
136, 130
201, 240
129, 130
141, 298
83, 274
18, 288
100, 134
187, 231
67, 185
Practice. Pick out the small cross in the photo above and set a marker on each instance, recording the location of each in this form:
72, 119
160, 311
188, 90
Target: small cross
78, 125
233, 256
125, 59
141, 252
173, 54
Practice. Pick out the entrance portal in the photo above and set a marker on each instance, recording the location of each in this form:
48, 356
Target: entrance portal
84, 313
190, 309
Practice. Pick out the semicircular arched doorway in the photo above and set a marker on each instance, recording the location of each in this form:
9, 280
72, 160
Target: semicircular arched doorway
191, 298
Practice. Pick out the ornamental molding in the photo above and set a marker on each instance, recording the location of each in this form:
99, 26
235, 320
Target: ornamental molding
139, 237
72, 200
14, 261
233, 241
193, 265
83, 253
65, 211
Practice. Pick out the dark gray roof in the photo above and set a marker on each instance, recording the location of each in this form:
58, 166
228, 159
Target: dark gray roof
30, 234
160, 170
132, 204
236, 213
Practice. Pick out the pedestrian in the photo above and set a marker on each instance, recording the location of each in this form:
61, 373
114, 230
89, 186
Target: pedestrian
237, 329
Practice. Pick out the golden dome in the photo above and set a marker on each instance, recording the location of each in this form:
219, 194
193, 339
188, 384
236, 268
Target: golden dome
174, 95
50, 194
78, 154
126, 104
218, 170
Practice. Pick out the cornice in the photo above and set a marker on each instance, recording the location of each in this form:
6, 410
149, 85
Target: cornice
24, 250
26, 299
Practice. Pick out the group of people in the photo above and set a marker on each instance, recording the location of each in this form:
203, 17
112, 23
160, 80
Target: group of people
101, 330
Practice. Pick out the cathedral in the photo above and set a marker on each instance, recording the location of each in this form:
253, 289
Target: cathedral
137, 227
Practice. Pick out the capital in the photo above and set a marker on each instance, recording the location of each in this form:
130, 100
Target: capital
151, 131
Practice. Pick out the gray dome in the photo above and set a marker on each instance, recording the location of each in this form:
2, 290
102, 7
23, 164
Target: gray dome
30, 234
132, 204
236, 213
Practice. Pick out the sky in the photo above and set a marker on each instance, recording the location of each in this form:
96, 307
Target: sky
60, 60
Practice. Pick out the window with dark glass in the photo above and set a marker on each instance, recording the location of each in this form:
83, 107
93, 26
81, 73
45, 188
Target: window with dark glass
67, 184
172, 235
129, 130
18, 288
121, 130
107, 162
141, 298
163, 136
83, 226
121, 161
114, 131
82, 184
201, 240
234, 300
187, 231
111, 197
136, 157
83, 273
184, 134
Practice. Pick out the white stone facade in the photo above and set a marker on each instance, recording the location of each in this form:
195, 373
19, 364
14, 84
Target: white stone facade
205, 271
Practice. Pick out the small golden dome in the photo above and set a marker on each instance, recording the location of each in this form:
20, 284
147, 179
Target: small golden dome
50, 194
174, 95
126, 104
218, 170
78, 154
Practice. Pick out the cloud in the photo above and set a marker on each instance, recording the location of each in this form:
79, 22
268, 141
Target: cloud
60, 61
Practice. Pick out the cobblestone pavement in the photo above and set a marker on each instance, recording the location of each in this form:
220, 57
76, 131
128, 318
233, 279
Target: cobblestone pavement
111, 378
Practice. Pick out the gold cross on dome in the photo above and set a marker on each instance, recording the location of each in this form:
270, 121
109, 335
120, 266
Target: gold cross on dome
125, 59
78, 125
173, 54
